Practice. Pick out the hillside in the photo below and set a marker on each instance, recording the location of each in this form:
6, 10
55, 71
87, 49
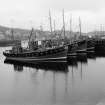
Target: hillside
23, 34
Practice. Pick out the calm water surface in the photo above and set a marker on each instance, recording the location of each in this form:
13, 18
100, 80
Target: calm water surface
81, 82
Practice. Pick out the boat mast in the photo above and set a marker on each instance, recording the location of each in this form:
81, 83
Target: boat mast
31, 34
54, 26
80, 26
50, 19
70, 28
70, 25
63, 23
12, 34
41, 29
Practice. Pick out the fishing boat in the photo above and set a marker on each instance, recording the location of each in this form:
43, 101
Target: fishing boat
79, 44
82, 43
72, 45
47, 50
48, 54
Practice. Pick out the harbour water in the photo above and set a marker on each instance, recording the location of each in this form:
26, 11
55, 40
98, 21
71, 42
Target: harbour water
81, 81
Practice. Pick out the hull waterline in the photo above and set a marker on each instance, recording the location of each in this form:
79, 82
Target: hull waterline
58, 55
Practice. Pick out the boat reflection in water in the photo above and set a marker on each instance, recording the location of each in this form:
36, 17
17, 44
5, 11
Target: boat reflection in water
64, 83
76, 65
91, 55
18, 67
58, 66
73, 61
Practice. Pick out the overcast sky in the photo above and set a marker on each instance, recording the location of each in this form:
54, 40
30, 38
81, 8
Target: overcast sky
33, 13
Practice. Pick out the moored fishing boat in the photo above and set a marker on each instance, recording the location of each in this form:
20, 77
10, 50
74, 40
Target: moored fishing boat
82, 43
78, 44
48, 50
54, 54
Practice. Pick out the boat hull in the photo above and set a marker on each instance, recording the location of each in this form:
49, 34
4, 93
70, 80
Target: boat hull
82, 46
100, 46
72, 48
77, 48
90, 45
53, 55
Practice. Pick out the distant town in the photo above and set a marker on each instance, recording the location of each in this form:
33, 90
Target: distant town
23, 34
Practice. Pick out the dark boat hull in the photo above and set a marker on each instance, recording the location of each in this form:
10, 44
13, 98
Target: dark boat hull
100, 46
90, 45
72, 48
53, 55
82, 46
77, 48
58, 66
